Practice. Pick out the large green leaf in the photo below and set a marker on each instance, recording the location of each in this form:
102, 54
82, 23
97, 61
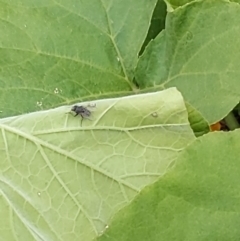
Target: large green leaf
61, 180
199, 53
56, 52
197, 200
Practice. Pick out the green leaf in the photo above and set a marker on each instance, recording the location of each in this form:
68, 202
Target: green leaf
148, 72
61, 180
197, 200
199, 125
198, 53
54, 53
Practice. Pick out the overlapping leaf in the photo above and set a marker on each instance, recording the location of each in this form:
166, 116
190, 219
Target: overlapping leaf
198, 53
197, 200
61, 180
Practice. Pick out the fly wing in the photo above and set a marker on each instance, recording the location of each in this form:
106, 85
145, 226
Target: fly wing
85, 112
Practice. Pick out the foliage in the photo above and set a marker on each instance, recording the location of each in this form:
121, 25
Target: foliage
141, 167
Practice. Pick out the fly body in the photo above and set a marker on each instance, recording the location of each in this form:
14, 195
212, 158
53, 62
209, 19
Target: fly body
82, 111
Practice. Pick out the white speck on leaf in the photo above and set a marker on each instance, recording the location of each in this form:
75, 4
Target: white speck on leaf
118, 59
154, 114
56, 91
39, 103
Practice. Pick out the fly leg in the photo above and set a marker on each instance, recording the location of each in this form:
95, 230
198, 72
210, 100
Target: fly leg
81, 119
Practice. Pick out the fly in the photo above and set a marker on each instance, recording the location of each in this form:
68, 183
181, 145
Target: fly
82, 111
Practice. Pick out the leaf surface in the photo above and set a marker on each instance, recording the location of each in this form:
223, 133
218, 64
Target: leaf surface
198, 53
61, 180
53, 53
198, 199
